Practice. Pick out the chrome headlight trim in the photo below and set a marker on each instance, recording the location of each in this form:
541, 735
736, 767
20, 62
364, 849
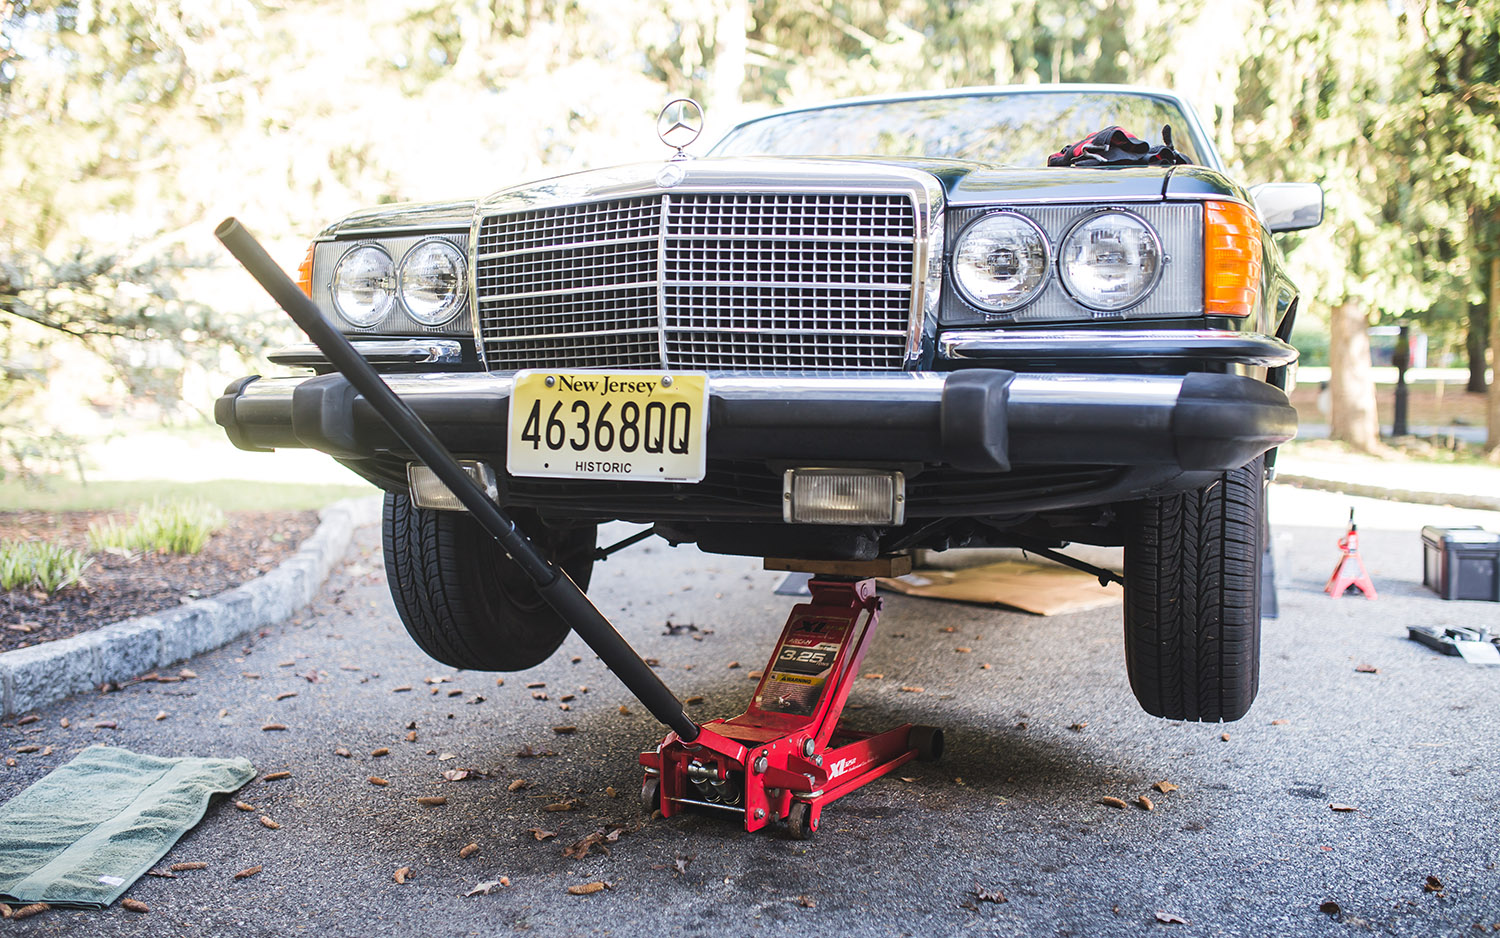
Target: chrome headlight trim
1043, 267
1066, 273
383, 293
453, 303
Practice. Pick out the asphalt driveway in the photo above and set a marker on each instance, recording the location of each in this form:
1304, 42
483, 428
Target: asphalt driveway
1007, 835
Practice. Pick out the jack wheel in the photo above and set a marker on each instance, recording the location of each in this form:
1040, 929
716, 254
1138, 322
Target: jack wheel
927, 741
651, 795
799, 824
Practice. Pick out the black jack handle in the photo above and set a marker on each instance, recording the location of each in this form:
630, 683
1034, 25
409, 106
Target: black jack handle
552, 583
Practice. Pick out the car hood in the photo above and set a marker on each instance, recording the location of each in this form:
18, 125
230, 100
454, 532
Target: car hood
962, 183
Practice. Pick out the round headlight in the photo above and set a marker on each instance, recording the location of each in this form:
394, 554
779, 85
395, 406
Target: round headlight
1000, 261
432, 282
362, 285
1110, 261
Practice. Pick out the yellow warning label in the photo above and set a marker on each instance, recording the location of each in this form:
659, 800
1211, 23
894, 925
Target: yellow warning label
796, 678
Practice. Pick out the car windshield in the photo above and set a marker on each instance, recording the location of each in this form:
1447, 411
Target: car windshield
1017, 128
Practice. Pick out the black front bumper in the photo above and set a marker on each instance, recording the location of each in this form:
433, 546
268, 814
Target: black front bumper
990, 422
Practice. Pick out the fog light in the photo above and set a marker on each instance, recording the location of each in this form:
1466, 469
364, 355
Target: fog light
843, 496
428, 491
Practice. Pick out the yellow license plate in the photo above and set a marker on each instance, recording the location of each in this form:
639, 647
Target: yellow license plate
624, 425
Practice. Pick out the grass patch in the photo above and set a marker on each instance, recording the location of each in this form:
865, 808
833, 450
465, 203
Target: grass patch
174, 527
60, 494
40, 565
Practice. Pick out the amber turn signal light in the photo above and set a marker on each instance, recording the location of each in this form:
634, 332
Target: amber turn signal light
1231, 259
304, 272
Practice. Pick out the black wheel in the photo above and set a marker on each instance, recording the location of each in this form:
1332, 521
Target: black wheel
799, 821
927, 741
462, 599
651, 795
1192, 599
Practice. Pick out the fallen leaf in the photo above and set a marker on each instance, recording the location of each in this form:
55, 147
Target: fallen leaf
382, 751
570, 804
624, 710
912, 690
680, 864
516, 784
586, 889
580, 849
435, 680
271, 727
64, 723
963, 650
986, 666
540, 834
377, 780
1279, 722
1167, 918
1366, 669
1164, 786
247, 873
411, 736
576, 659
105, 725
401, 690
250, 675
455, 692
27, 911
184, 867
1078, 727
342, 752
448, 757
753, 675
432, 801
874, 676
286, 695
400, 875
693, 700
1224, 737
732, 665
1112, 802
1330, 908
807, 902
499, 682
243, 806
989, 895
275, 776
484, 889
456, 775
538, 695
160, 715
564, 730
26, 750
1335, 806
467, 850
267, 822
1146, 803
526, 752
531, 684
907, 778
1433, 884
161, 874
187, 675
28, 719
609, 790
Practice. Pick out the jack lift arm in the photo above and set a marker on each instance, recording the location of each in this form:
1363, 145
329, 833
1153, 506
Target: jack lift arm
786, 756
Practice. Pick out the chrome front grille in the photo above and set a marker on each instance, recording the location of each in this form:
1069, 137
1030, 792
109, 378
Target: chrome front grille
701, 280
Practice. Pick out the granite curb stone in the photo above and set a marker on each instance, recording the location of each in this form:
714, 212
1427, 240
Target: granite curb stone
35, 676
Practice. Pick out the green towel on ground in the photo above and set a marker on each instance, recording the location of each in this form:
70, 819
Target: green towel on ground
88, 830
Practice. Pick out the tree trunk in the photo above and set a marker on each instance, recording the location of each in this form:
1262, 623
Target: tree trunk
1492, 442
1352, 383
1476, 341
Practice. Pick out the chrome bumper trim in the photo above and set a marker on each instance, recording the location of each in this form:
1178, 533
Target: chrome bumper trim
377, 352
1245, 348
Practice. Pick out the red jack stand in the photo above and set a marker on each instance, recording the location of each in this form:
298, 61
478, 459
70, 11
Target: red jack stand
786, 756
1344, 575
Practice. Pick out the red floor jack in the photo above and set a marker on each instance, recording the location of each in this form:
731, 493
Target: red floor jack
1345, 575
786, 756
778, 759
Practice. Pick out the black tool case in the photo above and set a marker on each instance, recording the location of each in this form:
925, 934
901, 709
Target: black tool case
1461, 563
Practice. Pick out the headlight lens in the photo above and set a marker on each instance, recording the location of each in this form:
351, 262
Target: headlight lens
1001, 260
432, 282
932, 288
363, 285
1110, 261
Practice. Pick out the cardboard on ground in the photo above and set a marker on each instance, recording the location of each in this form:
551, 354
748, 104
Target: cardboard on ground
1043, 589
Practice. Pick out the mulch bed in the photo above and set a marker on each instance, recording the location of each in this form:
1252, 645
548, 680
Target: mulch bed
117, 587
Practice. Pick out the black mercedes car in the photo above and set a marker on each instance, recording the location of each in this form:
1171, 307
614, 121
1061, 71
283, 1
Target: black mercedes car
844, 334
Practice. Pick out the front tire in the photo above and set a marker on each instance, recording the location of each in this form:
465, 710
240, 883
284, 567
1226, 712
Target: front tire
462, 599
1192, 599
